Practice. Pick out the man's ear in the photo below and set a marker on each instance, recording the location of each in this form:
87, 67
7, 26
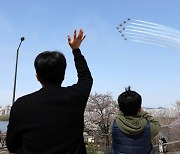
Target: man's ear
63, 77
39, 80
37, 77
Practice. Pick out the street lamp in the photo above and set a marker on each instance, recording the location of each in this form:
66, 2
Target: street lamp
15, 76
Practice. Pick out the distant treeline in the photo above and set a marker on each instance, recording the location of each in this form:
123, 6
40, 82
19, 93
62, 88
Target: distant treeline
4, 117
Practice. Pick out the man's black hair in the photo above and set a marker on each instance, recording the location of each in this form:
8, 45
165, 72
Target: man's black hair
50, 67
129, 102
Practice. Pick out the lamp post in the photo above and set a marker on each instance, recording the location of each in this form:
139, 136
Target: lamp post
15, 76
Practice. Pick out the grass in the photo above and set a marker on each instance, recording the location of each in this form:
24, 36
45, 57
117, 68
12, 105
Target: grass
4, 117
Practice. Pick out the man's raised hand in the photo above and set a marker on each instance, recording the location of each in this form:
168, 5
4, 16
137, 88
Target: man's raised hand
77, 39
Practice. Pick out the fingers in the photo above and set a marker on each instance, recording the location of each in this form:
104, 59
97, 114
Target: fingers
77, 39
83, 37
69, 38
80, 32
80, 35
75, 34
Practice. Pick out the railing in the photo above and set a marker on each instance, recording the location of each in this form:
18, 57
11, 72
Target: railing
92, 147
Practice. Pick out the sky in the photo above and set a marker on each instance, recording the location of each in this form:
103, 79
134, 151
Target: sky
151, 70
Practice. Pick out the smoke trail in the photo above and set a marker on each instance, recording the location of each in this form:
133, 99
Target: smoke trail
154, 34
154, 31
149, 43
163, 30
156, 44
150, 33
156, 25
152, 41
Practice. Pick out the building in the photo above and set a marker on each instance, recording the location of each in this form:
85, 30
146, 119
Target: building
5, 110
160, 111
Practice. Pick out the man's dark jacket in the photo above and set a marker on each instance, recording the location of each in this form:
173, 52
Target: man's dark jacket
51, 120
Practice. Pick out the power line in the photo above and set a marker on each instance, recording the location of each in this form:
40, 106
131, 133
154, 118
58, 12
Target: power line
167, 143
170, 125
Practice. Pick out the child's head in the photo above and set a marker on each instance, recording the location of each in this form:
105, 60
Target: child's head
129, 102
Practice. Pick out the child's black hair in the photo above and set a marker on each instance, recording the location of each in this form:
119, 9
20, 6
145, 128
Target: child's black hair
129, 102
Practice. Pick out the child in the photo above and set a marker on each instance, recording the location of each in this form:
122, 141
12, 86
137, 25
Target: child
133, 128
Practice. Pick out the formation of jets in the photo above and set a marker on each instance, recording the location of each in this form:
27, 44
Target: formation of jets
121, 28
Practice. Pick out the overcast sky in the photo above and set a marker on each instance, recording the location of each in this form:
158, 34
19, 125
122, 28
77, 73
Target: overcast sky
151, 70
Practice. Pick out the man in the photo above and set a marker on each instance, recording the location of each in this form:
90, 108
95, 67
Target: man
133, 128
50, 121
162, 145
